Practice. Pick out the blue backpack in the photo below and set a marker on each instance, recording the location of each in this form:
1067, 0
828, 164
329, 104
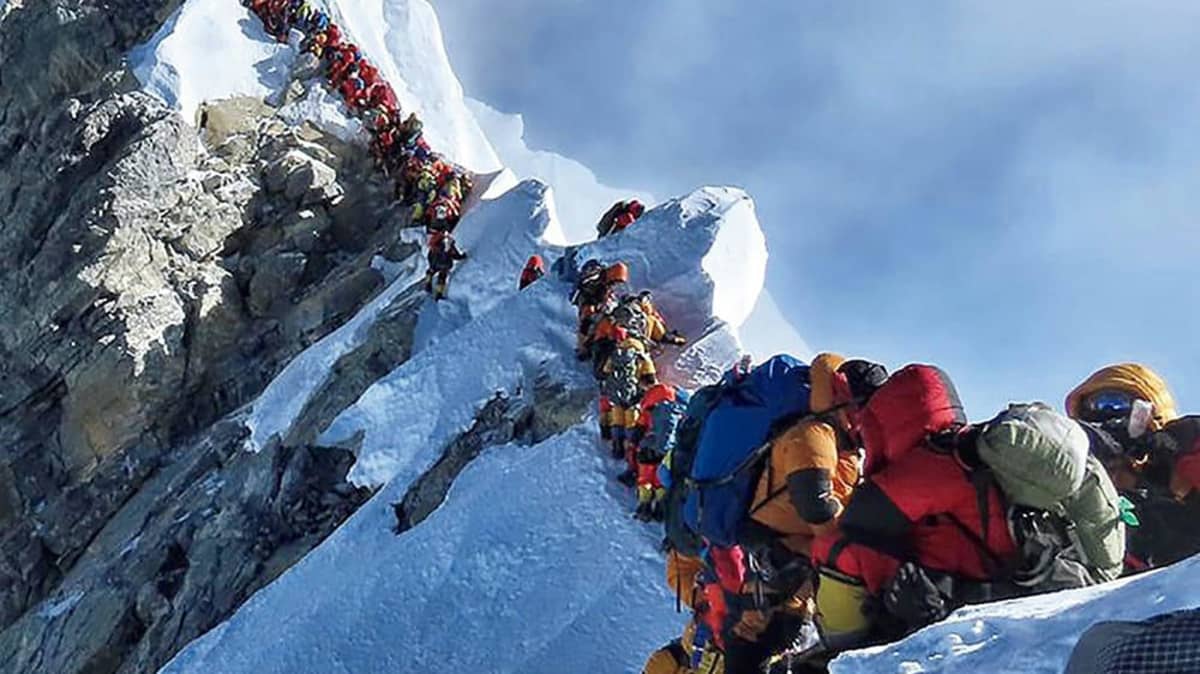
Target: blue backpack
665, 418
734, 440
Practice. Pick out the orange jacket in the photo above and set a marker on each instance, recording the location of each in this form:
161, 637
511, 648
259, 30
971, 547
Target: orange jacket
813, 446
682, 571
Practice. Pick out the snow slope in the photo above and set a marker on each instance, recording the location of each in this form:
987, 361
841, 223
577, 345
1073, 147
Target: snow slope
1027, 636
177, 63
533, 564
405, 418
530, 566
180, 64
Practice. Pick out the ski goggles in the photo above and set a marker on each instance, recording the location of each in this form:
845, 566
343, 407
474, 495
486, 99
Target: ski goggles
1104, 405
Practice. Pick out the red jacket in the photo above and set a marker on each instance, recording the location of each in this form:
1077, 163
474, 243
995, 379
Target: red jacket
381, 95
368, 73
534, 270
919, 503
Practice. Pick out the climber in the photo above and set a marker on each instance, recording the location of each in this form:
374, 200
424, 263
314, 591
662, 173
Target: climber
694, 651
628, 372
383, 142
659, 414
443, 253
276, 20
352, 87
656, 326
1154, 461
534, 269
421, 188
920, 536
918, 511
619, 216
596, 284
442, 214
325, 43
381, 98
342, 60
811, 472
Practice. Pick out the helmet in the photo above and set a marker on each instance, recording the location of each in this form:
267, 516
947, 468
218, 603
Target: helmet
636, 208
591, 267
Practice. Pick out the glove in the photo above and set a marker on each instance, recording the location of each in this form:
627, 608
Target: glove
914, 598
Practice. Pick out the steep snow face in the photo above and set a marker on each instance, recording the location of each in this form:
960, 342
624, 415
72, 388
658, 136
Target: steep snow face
404, 39
738, 260
532, 566
580, 196
179, 63
214, 49
1030, 636
405, 418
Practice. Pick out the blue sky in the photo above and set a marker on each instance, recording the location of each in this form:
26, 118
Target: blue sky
1009, 190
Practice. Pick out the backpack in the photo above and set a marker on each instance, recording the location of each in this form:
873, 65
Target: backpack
605, 226
665, 419
1063, 496
621, 385
630, 315
734, 441
678, 463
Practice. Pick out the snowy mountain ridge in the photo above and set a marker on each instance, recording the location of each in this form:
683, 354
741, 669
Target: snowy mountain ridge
531, 563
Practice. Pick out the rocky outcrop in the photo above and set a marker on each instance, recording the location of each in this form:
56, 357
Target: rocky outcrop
199, 537
158, 276
551, 409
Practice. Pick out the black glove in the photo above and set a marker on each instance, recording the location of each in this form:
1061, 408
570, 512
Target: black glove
915, 598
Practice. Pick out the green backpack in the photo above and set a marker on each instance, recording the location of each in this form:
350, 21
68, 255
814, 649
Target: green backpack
621, 383
1041, 461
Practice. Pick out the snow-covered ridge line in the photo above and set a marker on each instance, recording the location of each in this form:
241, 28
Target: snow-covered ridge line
1033, 635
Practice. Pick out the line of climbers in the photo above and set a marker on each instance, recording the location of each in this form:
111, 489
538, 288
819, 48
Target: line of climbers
431, 187
619, 333
811, 508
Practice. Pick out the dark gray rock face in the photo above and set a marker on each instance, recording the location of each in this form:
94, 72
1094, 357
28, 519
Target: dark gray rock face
157, 276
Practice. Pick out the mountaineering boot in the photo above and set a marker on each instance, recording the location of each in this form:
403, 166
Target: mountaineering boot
429, 282
440, 291
643, 511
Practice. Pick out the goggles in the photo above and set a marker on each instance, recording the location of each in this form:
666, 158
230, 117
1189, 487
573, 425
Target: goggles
1105, 405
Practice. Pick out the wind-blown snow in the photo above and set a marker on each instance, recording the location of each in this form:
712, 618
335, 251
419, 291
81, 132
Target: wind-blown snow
767, 332
1027, 636
580, 196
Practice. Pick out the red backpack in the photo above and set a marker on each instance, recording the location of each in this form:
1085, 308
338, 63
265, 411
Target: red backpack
916, 402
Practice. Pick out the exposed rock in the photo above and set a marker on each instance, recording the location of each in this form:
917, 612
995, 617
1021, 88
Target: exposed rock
153, 287
274, 279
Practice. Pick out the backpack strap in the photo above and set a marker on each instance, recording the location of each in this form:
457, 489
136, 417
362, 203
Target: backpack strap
827, 417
